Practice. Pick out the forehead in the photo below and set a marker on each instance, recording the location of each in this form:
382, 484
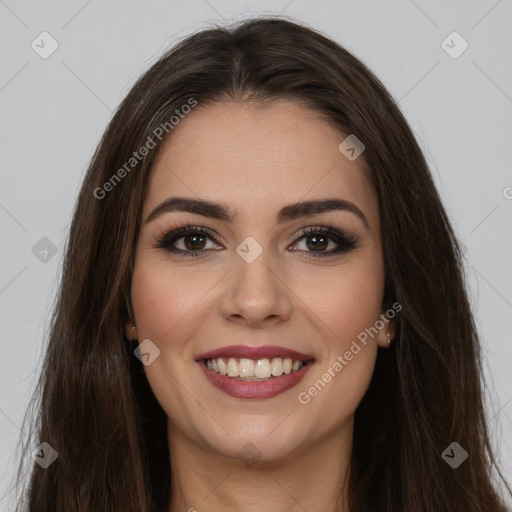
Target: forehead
254, 157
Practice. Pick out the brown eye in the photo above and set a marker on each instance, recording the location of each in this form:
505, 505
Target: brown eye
188, 240
194, 242
317, 242
318, 239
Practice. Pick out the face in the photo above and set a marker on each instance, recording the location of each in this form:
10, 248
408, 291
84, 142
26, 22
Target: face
297, 284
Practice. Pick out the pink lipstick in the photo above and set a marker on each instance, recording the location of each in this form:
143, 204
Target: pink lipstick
243, 381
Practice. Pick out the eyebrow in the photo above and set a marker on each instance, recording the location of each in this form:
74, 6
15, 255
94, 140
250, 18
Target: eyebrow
222, 212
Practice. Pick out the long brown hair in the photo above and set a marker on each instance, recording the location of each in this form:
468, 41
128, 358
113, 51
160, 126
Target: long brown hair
93, 404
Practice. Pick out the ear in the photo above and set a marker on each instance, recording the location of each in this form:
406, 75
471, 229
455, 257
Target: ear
387, 333
130, 331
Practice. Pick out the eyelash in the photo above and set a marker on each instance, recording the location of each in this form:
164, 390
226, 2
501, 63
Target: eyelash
168, 237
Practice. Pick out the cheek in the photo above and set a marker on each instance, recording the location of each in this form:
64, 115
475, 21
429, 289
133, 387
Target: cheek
166, 300
348, 305
347, 301
169, 307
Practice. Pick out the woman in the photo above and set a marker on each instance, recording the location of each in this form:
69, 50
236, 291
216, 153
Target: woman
263, 304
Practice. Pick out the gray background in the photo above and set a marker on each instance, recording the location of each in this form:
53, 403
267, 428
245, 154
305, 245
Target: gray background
54, 110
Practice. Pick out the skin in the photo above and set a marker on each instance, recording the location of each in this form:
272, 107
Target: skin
257, 160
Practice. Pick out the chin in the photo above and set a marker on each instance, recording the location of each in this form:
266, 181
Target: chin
259, 441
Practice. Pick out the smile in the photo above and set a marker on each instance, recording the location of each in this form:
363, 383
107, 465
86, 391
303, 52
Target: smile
254, 372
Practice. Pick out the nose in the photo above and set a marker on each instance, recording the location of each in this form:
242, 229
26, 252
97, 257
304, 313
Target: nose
255, 293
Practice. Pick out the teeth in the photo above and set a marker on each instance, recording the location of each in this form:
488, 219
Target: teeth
253, 370
277, 366
246, 367
232, 368
223, 367
262, 369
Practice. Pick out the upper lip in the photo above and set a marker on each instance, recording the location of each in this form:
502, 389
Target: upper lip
246, 352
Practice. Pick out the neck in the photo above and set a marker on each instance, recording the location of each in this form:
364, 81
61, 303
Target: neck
313, 477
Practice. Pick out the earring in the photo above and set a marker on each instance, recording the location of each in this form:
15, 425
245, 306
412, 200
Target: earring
389, 339
133, 329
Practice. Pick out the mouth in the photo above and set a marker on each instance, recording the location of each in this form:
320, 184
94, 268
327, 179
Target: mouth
249, 370
254, 372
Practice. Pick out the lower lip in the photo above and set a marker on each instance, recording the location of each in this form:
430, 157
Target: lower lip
254, 389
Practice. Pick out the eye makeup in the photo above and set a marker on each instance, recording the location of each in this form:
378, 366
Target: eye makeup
320, 235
